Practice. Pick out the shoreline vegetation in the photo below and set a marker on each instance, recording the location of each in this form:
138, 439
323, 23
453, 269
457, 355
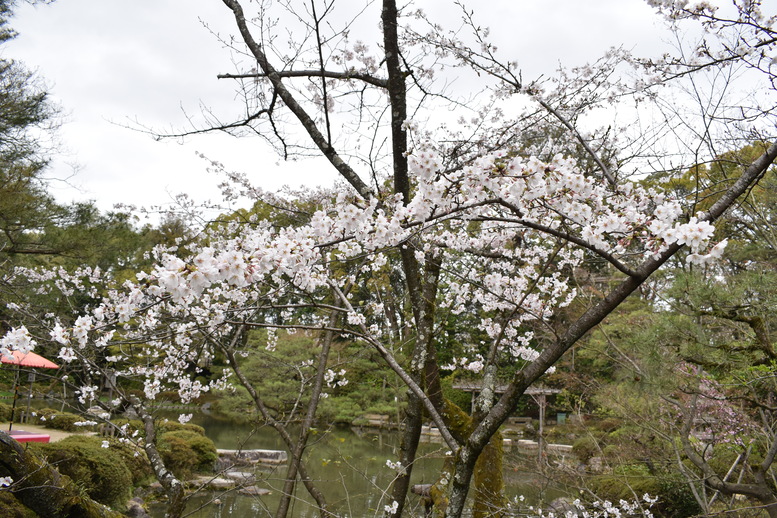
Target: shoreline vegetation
202, 466
215, 471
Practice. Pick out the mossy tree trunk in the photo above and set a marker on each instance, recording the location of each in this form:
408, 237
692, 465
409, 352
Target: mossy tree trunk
488, 479
40, 486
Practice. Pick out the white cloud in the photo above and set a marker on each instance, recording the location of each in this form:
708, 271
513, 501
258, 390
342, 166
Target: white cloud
111, 62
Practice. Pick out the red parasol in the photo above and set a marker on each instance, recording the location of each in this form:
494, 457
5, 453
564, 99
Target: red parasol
29, 359
21, 359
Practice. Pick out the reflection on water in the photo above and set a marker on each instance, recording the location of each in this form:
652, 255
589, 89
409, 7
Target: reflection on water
349, 467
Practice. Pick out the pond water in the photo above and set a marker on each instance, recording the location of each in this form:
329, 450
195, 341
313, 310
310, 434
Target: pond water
349, 467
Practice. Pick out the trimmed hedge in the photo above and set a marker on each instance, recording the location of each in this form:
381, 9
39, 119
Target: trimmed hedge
186, 452
174, 426
48, 418
135, 459
64, 421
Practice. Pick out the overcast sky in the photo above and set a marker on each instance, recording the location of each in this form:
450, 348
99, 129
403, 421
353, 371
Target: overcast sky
109, 63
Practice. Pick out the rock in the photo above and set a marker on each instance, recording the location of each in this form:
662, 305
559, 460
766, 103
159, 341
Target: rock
96, 410
215, 483
596, 464
559, 448
230, 458
242, 477
254, 491
563, 507
136, 509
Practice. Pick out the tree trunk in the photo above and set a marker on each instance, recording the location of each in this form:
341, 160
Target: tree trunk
176, 496
40, 486
307, 423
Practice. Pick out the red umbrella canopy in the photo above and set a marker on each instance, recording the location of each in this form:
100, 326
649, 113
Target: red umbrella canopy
29, 359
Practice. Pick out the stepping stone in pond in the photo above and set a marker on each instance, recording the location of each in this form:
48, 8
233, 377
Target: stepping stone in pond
254, 491
242, 477
221, 483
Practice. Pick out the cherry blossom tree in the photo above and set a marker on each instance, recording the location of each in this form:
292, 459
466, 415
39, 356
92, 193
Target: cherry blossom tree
491, 215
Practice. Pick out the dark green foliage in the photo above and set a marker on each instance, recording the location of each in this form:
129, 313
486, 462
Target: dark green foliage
607, 425
341, 410
5, 412
185, 452
675, 499
101, 472
459, 398
277, 376
25, 112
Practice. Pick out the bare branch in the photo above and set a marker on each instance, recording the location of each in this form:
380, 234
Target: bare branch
348, 75
307, 122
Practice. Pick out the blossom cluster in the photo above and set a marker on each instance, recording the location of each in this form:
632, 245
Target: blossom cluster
597, 509
510, 231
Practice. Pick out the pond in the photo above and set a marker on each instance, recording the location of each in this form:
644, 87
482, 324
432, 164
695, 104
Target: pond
348, 465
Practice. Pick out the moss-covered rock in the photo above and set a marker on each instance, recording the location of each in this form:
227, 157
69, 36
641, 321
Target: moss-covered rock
12, 508
100, 472
42, 488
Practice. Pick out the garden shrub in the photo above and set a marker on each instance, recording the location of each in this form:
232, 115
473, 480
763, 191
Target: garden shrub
675, 499
608, 425
185, 452
624, 483
175, 426
101, 472
586, 447
65, 421
611, 451
135, 459
5, 412
132, 425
